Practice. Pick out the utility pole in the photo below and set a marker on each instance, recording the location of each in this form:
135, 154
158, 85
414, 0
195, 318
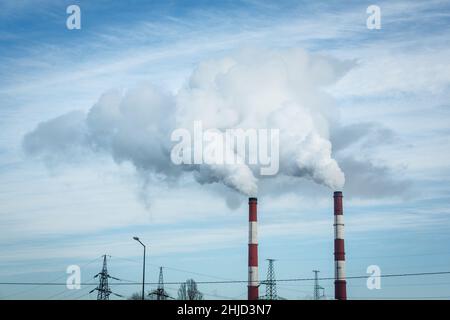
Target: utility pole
271, 287
103, 287
317, 294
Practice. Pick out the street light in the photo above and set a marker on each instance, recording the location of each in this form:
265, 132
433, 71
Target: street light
143, 271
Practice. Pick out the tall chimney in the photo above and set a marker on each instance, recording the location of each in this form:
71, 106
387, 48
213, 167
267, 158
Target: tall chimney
340, 285
253, 284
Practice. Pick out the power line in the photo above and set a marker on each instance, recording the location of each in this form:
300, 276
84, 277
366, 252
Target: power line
206, 293
196, 273
71, 293
55, 279
407, 285
238, 281
292, 289
68, 292
370, 257
174, 269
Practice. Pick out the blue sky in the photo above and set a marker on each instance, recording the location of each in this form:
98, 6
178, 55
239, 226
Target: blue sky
393, 112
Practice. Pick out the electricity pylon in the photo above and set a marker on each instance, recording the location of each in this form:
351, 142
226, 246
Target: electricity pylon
103, 290
317, 294
271, 286
160, 293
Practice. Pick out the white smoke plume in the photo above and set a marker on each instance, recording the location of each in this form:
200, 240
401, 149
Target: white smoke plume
253, 89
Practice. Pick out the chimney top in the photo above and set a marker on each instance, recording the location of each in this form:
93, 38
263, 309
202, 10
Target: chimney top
338, 194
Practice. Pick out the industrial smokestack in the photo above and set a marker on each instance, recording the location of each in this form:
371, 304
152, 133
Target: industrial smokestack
253, 283
340, 285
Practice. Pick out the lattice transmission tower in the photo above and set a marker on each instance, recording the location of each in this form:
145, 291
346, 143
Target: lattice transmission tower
103, 290
160, 293
318, 290
271, 286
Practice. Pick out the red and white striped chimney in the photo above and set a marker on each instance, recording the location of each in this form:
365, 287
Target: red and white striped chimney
253, 284
340, 285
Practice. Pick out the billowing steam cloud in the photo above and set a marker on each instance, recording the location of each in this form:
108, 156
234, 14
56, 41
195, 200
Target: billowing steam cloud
254, 89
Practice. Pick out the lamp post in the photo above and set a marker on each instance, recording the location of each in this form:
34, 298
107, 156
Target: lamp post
143, 270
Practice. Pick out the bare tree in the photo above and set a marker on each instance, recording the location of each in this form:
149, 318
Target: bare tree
189, 291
